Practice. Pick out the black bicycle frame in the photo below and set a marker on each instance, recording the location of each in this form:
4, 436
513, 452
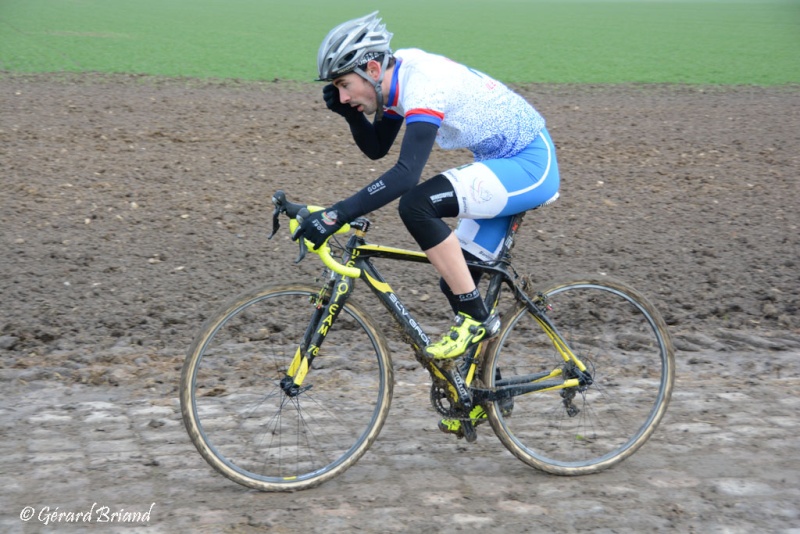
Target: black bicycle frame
336, 292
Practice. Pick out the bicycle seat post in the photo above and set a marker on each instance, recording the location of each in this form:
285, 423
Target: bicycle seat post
508, 241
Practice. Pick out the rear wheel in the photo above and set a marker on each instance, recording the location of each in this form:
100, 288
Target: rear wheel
243, 423
623, 341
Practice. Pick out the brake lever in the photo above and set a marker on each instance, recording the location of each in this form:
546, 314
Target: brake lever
278, 199
276, 223
303, 248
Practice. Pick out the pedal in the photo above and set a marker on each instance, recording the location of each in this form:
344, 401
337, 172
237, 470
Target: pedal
469, 431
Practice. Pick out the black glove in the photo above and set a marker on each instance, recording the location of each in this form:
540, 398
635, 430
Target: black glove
319, 226
330, 93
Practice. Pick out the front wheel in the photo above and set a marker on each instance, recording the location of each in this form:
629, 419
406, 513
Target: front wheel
624, 343
247, 427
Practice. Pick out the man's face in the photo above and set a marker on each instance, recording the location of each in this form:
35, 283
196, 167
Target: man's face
357, 92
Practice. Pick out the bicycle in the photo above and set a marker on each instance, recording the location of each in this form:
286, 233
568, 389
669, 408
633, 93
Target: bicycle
287, 386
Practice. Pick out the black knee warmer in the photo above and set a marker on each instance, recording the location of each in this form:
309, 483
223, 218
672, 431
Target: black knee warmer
422, 209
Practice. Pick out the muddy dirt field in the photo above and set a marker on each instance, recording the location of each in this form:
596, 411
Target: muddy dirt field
131, 207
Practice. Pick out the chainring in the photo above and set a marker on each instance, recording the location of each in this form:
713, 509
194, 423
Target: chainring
442, 402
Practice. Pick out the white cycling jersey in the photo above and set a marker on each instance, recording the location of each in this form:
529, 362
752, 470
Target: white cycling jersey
471, 109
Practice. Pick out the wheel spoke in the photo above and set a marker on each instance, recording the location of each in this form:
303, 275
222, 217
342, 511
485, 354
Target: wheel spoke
623, 342
248, 428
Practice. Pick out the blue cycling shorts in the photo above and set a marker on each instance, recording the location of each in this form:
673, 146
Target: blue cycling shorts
489, 192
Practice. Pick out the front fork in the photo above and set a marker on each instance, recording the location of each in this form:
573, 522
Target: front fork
328, 303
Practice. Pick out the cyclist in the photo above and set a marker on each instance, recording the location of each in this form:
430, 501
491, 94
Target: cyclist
441, 101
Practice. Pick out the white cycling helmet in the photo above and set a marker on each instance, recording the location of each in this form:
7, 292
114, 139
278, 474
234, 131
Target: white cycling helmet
350, 45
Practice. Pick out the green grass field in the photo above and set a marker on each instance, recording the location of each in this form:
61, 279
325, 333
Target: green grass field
555, 41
